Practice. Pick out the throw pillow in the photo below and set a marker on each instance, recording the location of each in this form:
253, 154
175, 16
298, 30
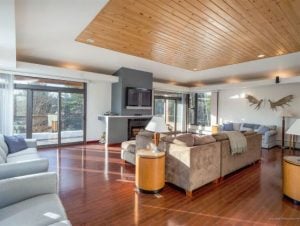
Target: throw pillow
228, 126
206, 139
186, 140
15, 143
220, 136
263, 129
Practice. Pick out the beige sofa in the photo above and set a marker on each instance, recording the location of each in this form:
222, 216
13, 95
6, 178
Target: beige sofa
231, 163
193, 161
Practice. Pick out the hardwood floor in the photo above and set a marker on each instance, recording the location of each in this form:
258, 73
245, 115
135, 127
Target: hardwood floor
96, 188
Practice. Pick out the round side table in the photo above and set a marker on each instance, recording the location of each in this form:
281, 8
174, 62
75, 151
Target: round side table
291, 177
150, 171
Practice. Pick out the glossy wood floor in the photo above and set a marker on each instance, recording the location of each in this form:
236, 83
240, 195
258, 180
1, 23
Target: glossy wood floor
96, 188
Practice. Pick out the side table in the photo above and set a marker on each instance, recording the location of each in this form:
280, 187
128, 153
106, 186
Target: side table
149, 171
291, 177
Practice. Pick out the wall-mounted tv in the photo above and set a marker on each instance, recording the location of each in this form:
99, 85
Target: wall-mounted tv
138, 98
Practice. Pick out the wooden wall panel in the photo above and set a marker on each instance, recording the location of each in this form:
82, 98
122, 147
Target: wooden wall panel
197, 34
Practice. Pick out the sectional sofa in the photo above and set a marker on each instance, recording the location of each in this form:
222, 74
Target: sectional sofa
21, 163
268, 132
193, 161
31, 200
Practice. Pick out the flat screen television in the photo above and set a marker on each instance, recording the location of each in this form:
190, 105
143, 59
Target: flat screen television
138, 98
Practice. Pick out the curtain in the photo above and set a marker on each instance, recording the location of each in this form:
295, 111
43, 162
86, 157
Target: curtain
6, 104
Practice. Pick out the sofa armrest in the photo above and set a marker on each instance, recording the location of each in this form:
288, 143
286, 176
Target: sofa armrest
18, 189
31, 143
270, 133
16, 169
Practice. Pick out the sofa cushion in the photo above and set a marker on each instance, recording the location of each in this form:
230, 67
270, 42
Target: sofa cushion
41, 210
206, 139
248, 133
168, 138
220, 136
246, 126
23, 152
228, 126
262, 129
236, 126
128, 144
22, 158
15, 143
186, 140
2, 160
3, 145
2, 155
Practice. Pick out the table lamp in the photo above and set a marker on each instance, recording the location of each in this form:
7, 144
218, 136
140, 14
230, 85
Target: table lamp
157, 125
294, 130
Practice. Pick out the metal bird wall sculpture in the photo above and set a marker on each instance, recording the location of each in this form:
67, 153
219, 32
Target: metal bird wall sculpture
253, 101
281, 103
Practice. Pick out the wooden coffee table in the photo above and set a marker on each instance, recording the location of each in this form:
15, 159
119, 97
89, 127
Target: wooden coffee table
150, 171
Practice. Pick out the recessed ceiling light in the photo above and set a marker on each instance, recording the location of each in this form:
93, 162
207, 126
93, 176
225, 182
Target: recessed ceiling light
261, 56
89, 40
195, 69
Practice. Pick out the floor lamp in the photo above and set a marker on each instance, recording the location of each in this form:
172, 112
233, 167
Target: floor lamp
284, 114
294, 130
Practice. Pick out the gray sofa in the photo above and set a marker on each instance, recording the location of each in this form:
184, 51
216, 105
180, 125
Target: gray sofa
31, 200
268, 137
128, 148
21, 163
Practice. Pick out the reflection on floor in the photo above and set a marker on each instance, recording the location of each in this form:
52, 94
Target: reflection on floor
98, 189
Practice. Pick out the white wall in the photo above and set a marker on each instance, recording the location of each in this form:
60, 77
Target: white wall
7, 34
98, 102
233, 107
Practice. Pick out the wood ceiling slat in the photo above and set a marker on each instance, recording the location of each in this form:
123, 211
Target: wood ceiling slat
142, 34
197, 34
115, 15
258, 31
214, 22
246, 33
280, 22
182, 27
259, 21
200, 28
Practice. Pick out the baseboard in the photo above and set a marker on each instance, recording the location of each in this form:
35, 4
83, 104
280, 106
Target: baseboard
92, 142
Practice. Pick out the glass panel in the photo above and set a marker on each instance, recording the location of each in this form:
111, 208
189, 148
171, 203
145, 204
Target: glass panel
20, 112
171, 114
159, 107
203, 109
179, 124
72, 113
45, 117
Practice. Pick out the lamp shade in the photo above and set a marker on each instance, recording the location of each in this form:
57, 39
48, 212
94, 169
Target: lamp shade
295, 128
157, 124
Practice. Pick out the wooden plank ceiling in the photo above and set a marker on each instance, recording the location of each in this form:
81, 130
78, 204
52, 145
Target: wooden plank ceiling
197, 34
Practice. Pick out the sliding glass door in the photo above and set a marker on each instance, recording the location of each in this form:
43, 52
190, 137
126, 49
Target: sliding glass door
169, 108
52, 113
45, 117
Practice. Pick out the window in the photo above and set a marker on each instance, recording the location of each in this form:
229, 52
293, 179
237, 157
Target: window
200, 109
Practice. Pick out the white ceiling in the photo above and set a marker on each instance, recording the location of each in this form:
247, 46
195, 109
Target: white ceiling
46, 32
